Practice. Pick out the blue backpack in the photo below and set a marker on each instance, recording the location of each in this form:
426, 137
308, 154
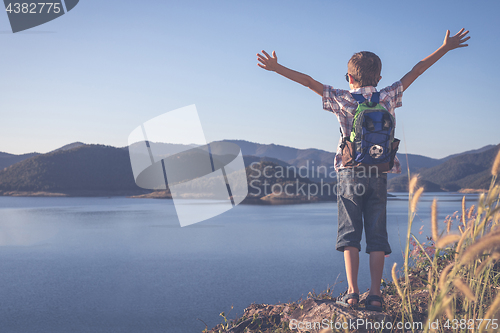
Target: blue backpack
371, 141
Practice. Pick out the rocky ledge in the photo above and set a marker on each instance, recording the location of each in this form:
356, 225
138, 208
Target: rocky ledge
319, 315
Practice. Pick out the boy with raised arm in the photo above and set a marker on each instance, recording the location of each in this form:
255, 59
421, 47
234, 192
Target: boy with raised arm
369, 207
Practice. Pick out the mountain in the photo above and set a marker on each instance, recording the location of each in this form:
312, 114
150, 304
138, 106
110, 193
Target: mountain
292, 156
165, 149
474, 151
7, 159
416, 162
463, 171
84, 170
69, 146
400, 184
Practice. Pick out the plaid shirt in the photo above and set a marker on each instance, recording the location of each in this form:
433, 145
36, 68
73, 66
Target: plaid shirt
344, 106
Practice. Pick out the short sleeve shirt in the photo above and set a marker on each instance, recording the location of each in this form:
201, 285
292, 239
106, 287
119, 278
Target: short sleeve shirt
344, 106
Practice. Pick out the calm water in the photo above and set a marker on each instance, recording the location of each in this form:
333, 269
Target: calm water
125, 265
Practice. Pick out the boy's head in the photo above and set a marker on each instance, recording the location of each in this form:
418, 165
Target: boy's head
364, 68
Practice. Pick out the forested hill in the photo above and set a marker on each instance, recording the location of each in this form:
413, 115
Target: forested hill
91, 169
465, 171
7, 159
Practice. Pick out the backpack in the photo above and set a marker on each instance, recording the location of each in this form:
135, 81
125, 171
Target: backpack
371, 142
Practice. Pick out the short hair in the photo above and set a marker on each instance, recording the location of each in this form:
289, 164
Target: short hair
365, 67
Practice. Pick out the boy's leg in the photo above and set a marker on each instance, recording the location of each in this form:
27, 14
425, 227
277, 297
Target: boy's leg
351, 260
375, 222
350, 225
376, 271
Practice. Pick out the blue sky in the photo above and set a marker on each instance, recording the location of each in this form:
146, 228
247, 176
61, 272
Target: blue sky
98, 72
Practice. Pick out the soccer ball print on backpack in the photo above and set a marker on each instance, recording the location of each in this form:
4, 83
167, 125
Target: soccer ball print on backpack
371, 142
376, 151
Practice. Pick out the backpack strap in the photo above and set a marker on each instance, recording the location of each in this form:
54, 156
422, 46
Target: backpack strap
360, 98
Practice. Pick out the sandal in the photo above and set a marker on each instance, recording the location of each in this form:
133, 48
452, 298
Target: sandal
343, 299
374, 298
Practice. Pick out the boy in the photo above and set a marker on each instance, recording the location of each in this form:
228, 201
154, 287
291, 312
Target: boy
363, 75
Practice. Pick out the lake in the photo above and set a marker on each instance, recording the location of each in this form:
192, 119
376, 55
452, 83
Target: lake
125, 265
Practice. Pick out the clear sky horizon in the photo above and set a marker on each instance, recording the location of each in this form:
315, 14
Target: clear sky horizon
96, 73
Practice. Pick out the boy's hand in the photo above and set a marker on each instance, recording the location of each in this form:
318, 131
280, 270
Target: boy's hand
456, 41
268, 63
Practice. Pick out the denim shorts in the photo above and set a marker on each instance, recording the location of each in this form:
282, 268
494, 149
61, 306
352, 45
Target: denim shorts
362, 201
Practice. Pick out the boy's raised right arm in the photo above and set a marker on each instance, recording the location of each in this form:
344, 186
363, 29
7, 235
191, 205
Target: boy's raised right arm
270, 63
449, 43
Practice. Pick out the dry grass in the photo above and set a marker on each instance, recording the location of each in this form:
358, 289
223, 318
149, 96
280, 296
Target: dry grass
467, 289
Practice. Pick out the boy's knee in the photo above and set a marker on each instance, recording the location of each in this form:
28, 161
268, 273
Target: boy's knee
350, 247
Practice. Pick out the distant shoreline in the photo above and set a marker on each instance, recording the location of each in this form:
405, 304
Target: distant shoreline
162, 194
268, 200
79, 193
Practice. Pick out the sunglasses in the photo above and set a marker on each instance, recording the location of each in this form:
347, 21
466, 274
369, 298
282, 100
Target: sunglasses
347, 77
